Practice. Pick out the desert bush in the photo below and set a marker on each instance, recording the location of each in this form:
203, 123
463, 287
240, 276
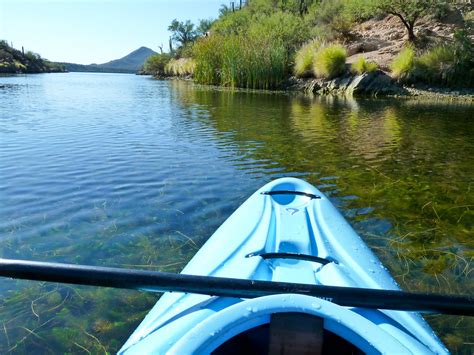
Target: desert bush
232, 23
289, 29
338, 16
359, 10
362, 66
329, 61
332, 15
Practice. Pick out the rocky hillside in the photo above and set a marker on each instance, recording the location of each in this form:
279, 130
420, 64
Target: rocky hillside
15, 61
380, 39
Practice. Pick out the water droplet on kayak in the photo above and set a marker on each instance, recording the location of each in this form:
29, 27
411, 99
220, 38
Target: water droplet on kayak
316, 305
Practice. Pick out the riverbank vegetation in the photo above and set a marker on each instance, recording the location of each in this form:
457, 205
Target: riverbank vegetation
15, 61
361, 66
264, 43
329, 61
449, 64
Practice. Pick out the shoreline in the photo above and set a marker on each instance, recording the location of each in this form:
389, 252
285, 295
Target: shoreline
300, 86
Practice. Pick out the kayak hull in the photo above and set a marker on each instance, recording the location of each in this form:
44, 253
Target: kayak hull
287, 231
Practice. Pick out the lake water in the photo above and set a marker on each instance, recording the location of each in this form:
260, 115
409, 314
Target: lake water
127, 171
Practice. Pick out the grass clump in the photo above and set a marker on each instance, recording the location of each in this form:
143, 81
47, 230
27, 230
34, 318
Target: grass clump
403, 64
361, 66
329, 61
450, 64
180, 67
304, 58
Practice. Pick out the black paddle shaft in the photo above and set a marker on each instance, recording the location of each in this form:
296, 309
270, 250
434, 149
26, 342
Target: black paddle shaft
229, 287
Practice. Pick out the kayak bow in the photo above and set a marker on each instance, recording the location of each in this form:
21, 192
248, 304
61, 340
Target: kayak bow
286, 232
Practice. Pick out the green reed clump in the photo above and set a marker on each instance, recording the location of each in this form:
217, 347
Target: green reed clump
180, 67
240, 61
329, 61
207, 53
403, 64
361, 66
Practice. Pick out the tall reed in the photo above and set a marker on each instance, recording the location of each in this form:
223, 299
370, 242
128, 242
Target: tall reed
240, 61
207, 53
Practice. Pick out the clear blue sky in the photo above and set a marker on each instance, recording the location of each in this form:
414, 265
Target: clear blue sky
95, 31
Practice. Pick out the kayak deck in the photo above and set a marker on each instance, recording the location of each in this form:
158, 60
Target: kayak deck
287, 231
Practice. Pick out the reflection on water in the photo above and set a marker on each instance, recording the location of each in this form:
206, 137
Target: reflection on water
126, 171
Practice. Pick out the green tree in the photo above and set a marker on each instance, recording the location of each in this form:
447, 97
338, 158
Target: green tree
156, 63
204, 26
224, 10
182, 32
410, 11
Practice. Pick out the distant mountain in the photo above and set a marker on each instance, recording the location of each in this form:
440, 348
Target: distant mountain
131, 63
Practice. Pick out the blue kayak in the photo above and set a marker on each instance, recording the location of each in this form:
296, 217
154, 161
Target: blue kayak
288, 231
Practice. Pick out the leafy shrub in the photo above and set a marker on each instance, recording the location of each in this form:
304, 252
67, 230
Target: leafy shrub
304, 58
232, 23
338, 16
180, 67
403, 64
362, 66
329, 61
155, 64
332, 15
359, 10
286, 27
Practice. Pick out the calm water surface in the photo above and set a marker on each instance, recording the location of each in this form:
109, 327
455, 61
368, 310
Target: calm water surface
121, 170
